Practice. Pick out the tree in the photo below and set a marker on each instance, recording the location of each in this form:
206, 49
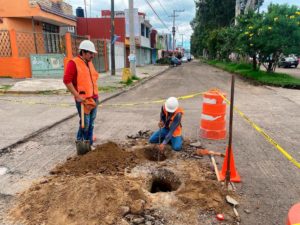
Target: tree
222, 42
210, 15
270, 34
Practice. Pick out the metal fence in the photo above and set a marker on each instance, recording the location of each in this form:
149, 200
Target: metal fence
5, 46
99, 59
40, 43
75, 43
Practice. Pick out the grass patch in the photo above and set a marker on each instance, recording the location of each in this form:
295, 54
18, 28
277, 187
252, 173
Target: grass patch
131, 80
128, 82
107, 89
260, 77
135, 78
5, 87
53, 92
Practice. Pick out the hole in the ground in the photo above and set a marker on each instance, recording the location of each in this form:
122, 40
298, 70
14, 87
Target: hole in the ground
153, 154
164, 181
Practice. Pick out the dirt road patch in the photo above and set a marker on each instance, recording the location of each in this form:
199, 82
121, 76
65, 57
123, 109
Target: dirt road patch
174, 191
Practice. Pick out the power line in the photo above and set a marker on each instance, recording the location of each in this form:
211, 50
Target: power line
163, 7
156, 14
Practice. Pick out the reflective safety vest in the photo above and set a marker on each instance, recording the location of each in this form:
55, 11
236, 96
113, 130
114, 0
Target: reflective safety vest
178, 130
87, 77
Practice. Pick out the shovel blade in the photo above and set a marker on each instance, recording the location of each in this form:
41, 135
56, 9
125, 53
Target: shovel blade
82, 147
231, 200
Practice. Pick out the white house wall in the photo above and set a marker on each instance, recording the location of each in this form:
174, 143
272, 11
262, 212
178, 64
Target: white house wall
145, 42
119, 55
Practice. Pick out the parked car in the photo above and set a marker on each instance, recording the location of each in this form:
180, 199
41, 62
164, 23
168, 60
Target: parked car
288, 62
175, 61
188, 56
184, 59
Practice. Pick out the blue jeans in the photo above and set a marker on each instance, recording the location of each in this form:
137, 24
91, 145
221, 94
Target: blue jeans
176, 142
89, 123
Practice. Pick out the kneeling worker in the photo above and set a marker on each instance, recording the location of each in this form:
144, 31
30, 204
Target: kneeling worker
170, 126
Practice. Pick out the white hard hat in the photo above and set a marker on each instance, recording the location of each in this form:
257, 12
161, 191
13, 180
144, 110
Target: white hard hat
88, 46
171, 104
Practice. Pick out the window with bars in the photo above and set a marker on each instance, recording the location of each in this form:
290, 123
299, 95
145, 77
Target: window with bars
52, 40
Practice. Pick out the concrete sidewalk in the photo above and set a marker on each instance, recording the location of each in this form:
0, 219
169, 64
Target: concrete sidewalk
31, 106
106, 81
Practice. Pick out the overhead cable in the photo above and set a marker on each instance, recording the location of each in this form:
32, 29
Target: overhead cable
163, 8
156, 14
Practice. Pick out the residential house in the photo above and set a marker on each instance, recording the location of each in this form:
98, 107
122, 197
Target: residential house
31, 27
99, 28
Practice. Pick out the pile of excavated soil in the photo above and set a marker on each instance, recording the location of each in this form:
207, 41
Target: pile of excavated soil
80, 200
93, 189
109, 159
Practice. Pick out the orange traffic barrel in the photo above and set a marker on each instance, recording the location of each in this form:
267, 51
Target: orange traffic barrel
213, 121
294, 215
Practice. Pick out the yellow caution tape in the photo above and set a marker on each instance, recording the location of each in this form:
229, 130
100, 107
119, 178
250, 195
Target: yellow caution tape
184, 97
264, 134
112, 105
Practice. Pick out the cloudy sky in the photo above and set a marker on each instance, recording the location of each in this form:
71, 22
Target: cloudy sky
164, 8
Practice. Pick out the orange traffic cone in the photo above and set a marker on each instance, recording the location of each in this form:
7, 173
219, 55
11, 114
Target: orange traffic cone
234, 176
294, 215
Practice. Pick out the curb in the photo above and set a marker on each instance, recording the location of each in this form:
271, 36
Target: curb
30, 92
8, 148
59, 90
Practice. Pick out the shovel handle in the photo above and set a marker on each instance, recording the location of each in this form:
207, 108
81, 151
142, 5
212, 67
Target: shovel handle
82, 115
215, 167
235, 212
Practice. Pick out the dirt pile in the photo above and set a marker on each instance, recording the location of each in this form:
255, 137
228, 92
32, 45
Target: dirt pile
94, 189
108, 159
76, 200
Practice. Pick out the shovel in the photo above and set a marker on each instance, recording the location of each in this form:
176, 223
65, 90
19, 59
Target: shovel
82, 146
159, 141
234, 203
207, 152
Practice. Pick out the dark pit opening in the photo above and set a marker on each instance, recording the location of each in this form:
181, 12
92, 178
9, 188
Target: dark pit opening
153, 154
164, 181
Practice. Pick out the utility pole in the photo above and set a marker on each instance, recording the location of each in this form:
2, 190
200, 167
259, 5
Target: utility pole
86, 19
132, 56
112, 37
237, 10
173, 28
90, 8
182, 40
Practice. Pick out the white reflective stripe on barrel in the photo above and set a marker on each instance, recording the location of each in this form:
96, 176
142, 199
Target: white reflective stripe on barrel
210, 100
208, 117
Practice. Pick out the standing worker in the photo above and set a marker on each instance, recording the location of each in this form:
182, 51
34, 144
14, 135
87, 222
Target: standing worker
170, 126
81, 80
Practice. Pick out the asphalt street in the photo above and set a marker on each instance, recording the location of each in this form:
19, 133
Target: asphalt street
270, 183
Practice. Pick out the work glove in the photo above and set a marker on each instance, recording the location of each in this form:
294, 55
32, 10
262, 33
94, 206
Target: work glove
160, 124
161, 148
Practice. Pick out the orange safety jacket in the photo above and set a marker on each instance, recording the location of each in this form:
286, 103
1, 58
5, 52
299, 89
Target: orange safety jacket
178, 130
87, 77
